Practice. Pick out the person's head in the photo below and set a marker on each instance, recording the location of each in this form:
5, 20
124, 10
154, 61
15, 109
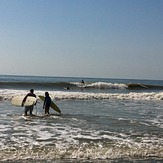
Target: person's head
46, 94
32, 90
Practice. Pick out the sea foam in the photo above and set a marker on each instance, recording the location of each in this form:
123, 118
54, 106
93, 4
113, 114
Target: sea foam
7, 94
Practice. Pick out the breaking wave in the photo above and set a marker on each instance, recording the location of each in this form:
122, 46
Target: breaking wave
76, 85
61, 95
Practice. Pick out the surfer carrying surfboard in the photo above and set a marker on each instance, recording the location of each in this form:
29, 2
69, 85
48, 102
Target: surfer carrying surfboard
47, 103
28, 108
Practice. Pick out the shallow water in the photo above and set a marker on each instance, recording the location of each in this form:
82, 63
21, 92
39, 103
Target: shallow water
122, 127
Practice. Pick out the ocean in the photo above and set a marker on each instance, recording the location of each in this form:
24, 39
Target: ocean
102, 120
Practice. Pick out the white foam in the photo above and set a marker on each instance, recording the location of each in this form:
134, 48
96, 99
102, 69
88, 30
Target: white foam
60, 95
41, 142
104, 85
101, 85
120, 96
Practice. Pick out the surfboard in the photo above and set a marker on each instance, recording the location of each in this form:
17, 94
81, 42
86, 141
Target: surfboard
17, 101
52, 105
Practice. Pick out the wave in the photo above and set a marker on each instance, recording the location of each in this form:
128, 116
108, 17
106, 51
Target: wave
54, 141
25, 85
7, 94
73, 85
84, 151
130, 86
143, 86
101, 85
75, 143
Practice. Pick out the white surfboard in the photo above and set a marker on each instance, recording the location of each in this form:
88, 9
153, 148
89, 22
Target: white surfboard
17, 101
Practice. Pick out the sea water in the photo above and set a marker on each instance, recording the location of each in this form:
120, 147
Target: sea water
102, 120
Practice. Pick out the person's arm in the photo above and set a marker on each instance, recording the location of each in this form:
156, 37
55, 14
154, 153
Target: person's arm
24, 100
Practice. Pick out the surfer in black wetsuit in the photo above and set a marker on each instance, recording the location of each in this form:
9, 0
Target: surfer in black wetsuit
28, 108
82, 81
47, 103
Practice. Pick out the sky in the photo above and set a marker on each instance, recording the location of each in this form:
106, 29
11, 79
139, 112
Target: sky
82, 38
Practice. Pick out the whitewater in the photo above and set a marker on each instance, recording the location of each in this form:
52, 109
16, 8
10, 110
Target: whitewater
102, 120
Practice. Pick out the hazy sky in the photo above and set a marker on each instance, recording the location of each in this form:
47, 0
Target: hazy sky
82, 38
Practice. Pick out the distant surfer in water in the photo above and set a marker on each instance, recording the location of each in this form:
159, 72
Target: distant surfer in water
68, 88
28, 108
82, 81
47, 103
